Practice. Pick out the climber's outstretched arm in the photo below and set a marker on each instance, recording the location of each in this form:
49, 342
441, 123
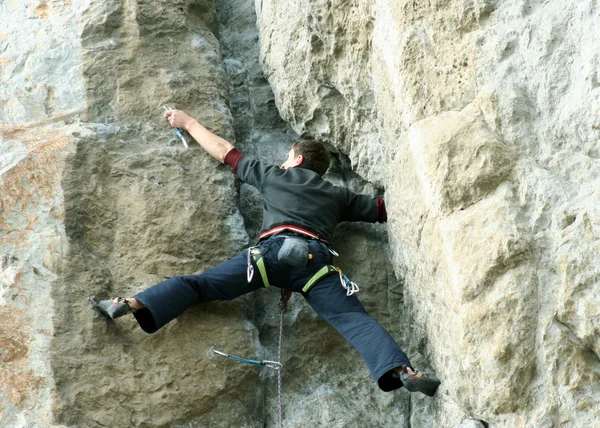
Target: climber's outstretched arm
215, 146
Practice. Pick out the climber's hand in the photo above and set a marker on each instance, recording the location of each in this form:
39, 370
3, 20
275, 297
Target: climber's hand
179, 119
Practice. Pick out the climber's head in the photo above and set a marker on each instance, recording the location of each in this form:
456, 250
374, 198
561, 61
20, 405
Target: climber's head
310, 154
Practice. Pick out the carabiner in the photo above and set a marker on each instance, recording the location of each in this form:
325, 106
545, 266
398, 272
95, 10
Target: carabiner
250, 270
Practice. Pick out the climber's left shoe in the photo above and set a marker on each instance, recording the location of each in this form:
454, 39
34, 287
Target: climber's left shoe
113, 308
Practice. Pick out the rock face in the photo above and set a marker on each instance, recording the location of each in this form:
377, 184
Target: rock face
478, 122
489, 159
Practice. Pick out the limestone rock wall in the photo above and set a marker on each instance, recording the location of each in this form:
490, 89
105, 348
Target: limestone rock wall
100, 198
40, 90
478, 122
484, 120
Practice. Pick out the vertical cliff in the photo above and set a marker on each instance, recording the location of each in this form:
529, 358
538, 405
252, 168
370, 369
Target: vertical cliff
483, 120
476, 120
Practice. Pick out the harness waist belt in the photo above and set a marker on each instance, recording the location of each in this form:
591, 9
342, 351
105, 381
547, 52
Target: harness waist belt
290, 228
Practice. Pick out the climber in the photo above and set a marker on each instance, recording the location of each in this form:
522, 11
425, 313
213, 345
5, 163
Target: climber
300, 212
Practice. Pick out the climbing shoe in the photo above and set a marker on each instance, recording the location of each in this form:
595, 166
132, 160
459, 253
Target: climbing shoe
418, 382
113, 308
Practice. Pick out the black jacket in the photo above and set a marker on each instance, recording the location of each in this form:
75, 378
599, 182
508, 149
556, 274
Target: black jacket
301, 197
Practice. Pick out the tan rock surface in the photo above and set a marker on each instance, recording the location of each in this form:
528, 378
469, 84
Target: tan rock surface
487, 114
479, 121
32, 242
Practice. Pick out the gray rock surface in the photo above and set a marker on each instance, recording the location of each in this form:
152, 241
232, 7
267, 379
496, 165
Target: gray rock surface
478, 122
487, 115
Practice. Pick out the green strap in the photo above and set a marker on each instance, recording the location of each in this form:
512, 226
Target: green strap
257, 255
324, 271
258, 258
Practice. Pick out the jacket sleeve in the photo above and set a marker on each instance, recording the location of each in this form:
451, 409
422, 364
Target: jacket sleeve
363, 208
248, 170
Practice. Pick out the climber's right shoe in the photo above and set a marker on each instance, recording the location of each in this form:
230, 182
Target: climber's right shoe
113, 308
418, 382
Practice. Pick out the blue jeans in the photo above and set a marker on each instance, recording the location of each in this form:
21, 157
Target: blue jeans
169, 299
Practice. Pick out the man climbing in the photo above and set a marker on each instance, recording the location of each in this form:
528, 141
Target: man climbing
300, 213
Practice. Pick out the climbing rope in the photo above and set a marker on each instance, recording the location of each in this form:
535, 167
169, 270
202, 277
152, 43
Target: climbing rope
275, 365
283, 302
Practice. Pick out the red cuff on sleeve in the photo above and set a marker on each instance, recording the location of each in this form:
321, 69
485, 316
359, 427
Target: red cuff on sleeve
232, 158
381, 212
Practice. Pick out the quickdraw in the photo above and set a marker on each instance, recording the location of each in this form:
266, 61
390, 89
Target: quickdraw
178, 131
250, 270
275, 365
350, 286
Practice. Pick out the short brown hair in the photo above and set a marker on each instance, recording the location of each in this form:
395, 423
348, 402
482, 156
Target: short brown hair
316, 155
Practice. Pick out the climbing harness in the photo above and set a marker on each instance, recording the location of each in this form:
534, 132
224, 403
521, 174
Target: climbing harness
288, 228
350, 286
257, 255
254, 253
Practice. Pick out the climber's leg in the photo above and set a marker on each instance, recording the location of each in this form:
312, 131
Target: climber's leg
169, 299
348, 316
